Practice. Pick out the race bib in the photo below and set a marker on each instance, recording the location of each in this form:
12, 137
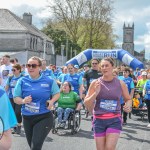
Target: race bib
108, 105
32, 107
148, 92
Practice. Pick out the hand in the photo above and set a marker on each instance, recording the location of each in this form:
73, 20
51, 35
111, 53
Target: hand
127, 108
27, 99
50, 104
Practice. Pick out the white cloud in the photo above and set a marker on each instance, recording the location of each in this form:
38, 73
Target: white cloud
17, 3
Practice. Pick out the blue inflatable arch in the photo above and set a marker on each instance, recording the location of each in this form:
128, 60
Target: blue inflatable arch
119, 54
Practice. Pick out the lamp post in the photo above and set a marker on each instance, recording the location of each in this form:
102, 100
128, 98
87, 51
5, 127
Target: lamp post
62, 53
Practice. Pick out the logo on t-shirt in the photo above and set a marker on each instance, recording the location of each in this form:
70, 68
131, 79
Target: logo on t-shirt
5, 73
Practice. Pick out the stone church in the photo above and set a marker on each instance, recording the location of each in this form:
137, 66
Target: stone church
128, 42
21, 39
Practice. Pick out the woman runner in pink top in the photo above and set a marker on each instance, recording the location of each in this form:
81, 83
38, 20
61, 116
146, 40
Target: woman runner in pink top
104, 96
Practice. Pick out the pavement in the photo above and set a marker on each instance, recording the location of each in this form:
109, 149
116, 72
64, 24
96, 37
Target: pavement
135, 136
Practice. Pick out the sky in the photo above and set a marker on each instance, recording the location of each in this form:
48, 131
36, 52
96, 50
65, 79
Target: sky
128, 11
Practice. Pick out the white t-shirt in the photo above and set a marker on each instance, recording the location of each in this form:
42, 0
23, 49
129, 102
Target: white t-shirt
5, 72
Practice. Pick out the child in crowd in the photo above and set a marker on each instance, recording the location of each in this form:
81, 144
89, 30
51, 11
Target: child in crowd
136, 100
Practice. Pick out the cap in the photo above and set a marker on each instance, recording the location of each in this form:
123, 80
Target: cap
76, 66
85, 65
144, 73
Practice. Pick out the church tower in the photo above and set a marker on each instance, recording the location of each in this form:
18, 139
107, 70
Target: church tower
128, 38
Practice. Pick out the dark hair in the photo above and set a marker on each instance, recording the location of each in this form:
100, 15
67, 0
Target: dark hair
17, 66
126, 69
12, 60
6, 56
16, 59
123, 65
69, 84
71, 65
109, 59
95, 59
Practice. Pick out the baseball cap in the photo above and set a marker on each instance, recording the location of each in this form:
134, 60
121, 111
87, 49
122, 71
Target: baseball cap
144, 73
76, 66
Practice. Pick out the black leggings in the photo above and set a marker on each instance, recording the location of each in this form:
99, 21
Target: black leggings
148, 109
17, 110
37, 128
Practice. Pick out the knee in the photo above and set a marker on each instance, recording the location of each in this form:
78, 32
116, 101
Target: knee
59, 110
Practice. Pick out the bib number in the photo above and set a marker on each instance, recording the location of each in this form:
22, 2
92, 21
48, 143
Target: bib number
148, 92
32, 107
108, 105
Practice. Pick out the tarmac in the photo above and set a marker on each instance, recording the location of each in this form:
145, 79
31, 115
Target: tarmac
135, 135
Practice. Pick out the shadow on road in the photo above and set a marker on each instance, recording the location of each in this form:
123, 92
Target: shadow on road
80, 134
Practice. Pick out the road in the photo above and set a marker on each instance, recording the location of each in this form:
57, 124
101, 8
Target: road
135, 136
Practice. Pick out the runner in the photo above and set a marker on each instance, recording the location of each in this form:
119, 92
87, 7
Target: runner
10, 85
146, 95
9, 119
34, 92
104, 96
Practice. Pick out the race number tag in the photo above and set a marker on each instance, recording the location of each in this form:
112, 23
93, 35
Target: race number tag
32, 107
108, 105
148, 92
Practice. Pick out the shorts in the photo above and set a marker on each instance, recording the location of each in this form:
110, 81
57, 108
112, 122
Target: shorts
101, 127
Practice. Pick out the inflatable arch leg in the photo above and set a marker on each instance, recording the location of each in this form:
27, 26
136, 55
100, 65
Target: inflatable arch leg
119, 54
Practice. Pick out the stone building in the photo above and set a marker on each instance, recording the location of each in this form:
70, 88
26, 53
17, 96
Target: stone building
21, 39
128, 42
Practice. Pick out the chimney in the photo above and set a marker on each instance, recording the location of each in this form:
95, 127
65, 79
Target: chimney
27, 17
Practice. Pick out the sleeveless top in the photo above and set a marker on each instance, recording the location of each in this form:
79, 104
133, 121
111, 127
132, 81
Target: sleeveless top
108, 99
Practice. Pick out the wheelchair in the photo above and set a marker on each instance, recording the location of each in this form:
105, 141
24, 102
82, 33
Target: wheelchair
73, 122
142, 110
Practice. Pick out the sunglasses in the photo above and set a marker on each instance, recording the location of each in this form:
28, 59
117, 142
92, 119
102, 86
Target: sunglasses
13, 70
31, 65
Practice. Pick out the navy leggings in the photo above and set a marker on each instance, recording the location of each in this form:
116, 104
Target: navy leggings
37, 128
148, 109
17, 110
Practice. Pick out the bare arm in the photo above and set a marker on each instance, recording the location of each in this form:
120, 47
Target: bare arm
81, 91
53, 100
6, 88
132, 93
126, 96
93, 91
20, 101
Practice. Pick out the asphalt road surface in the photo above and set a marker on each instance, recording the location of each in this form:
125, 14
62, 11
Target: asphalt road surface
135, 136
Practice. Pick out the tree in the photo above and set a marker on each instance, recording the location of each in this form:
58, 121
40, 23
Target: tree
86, 22
60, 37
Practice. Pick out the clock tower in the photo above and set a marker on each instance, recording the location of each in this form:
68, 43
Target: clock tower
128, 38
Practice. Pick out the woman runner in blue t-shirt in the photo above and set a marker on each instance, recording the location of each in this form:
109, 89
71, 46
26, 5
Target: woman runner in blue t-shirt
33, 92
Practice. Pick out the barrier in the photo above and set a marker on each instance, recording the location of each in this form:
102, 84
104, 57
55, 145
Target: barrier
119, 54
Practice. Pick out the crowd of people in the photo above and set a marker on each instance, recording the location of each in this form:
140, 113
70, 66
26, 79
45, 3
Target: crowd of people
29, 92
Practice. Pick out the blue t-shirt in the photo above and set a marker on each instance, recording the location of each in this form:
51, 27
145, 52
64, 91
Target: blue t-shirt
41, 90
147, 88
48, 72
6, 111
129, 83
60, 78
75, 80
11, 82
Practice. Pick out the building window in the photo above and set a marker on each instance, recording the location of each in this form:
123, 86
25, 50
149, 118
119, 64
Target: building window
31, 43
